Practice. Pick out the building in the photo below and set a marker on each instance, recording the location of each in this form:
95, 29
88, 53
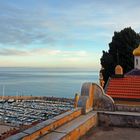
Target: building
125, 86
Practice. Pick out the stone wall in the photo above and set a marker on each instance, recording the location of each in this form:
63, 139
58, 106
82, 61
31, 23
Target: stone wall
120, 119
127, 108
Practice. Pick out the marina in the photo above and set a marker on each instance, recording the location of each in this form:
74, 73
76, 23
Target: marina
28, 112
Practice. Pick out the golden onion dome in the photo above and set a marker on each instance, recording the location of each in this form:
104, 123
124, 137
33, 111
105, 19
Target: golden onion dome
136, 52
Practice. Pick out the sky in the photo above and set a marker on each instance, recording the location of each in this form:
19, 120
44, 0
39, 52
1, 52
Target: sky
61, 33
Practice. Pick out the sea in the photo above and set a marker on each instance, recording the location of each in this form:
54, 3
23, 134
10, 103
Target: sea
52, 82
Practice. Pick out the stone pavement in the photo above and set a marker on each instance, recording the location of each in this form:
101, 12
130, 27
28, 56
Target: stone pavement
112, 133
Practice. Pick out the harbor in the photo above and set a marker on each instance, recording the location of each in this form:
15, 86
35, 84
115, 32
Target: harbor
17, 113
26, 112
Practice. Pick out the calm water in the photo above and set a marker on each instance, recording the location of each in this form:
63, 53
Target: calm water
44, 82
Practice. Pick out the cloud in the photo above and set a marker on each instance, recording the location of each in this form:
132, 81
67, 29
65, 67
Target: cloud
61, 53
12, 52
44, 51
20, 26
92, 20
41, 52
50, 23
44, 30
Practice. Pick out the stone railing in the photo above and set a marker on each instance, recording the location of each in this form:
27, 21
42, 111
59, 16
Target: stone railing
93, 97
46, 126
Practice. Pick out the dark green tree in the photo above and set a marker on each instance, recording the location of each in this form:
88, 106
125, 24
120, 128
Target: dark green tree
120, 52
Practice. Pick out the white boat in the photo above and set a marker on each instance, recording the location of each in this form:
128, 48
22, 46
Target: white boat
2, 100
11, 100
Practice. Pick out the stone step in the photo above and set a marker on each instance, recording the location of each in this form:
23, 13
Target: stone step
73, 129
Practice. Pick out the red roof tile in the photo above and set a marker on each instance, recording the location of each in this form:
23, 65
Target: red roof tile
126, 87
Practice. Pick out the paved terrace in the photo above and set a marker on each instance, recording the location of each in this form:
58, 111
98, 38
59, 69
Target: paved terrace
112, 133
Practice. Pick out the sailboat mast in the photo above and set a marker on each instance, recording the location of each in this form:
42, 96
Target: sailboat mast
3, 92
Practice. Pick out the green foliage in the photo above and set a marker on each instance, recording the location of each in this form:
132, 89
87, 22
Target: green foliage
120, 52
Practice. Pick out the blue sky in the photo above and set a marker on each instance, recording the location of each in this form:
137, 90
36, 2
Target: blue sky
61, 33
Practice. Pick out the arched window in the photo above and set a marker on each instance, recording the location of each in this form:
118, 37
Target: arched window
137, 62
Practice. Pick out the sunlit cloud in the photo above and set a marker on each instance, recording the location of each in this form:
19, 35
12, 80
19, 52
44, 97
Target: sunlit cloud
44, 29
40, 52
